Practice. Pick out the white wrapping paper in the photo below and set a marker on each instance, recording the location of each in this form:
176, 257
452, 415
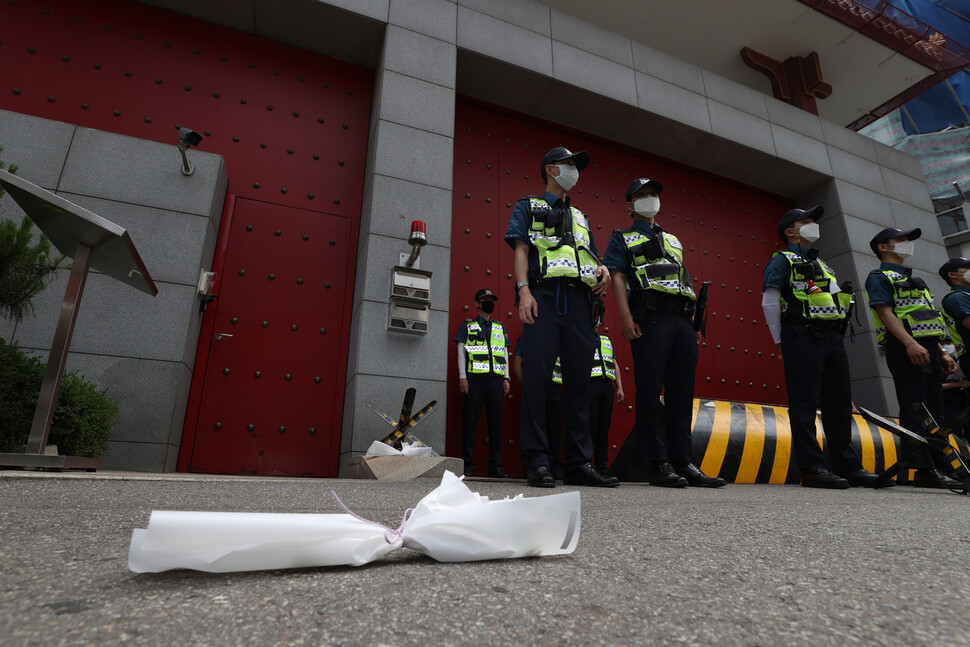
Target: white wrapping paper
377, 448
450, 524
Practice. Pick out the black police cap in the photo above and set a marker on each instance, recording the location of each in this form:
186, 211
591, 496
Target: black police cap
953, 265
889, 233
794, 216
641, 182
484, 294
560, 153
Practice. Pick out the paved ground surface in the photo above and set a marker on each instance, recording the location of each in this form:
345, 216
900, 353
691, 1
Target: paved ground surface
746, 565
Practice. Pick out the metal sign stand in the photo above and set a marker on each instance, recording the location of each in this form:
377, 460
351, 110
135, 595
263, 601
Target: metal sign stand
92, 241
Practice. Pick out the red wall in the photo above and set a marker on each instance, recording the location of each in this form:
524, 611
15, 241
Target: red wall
292, 127
291, 124
728, 233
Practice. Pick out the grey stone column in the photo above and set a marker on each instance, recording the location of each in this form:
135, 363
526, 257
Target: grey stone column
408, 177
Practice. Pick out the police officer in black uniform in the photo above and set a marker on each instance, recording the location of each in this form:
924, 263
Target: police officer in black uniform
655, 298
806, 310
483, 379
557, 271
912, 331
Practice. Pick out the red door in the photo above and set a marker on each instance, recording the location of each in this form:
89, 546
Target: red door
272, 394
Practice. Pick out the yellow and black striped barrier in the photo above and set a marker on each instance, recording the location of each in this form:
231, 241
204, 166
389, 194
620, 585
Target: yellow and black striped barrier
751, 443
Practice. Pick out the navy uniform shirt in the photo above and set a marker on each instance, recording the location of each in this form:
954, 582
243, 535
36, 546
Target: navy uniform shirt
956, 304
777, 272
880, 288
521, 220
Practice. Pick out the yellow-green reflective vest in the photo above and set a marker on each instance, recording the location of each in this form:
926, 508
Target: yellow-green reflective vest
955, 329
674, 282
562, 256
796, 300
604, 364
557, 373
486, 355
913, 306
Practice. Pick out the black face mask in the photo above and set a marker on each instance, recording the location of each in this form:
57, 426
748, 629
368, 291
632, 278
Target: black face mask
488, 307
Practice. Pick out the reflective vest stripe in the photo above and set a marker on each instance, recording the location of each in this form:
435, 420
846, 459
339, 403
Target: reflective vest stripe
565, 256
603, 359
674, 282
798, 303
486, 355
914, 308
955, 329
557, 372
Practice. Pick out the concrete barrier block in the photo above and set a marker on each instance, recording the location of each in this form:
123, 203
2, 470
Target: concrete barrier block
402, 468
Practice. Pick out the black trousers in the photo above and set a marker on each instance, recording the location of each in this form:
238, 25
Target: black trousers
554, 427
665, 358
484, 390
817, 376
916, 384
954, 402
563, 329
601, 398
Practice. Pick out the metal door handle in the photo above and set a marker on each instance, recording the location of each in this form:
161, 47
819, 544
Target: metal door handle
220, 335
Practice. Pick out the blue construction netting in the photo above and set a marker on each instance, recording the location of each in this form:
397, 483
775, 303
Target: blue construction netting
940, 107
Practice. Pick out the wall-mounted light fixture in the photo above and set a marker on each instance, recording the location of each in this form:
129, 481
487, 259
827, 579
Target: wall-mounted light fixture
417, 239
410, 303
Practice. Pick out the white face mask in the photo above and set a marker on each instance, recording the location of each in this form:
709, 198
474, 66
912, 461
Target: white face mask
904, 249
966, 276
568, 176
647, 207
809, 232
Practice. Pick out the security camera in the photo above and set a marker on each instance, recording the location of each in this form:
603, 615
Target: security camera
189, 136
187, 139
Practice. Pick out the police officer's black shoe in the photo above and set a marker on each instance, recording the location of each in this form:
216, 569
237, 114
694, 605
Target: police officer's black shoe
586, 474
497, 474
539, 476
935, 478
662, 474
822, 478
860, 477
696, 478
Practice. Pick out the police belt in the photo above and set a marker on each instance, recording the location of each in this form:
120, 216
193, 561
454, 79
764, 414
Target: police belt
549, 285
642, 302
815, 324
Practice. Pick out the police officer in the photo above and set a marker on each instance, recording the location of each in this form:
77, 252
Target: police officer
483, 379
605, 387
912, 331
557, 271
655, 297
806, 310
956, 307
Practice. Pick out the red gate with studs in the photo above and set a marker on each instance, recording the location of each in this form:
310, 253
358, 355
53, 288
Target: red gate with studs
728, 233
292, 127
271, 380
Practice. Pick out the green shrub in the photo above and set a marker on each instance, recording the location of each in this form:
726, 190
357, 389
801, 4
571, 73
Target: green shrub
83, 417
26, 267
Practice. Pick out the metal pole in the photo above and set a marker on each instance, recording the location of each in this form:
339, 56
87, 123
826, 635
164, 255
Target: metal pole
956, 98
51, 385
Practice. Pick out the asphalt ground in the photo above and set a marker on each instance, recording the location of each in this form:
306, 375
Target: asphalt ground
743, 565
